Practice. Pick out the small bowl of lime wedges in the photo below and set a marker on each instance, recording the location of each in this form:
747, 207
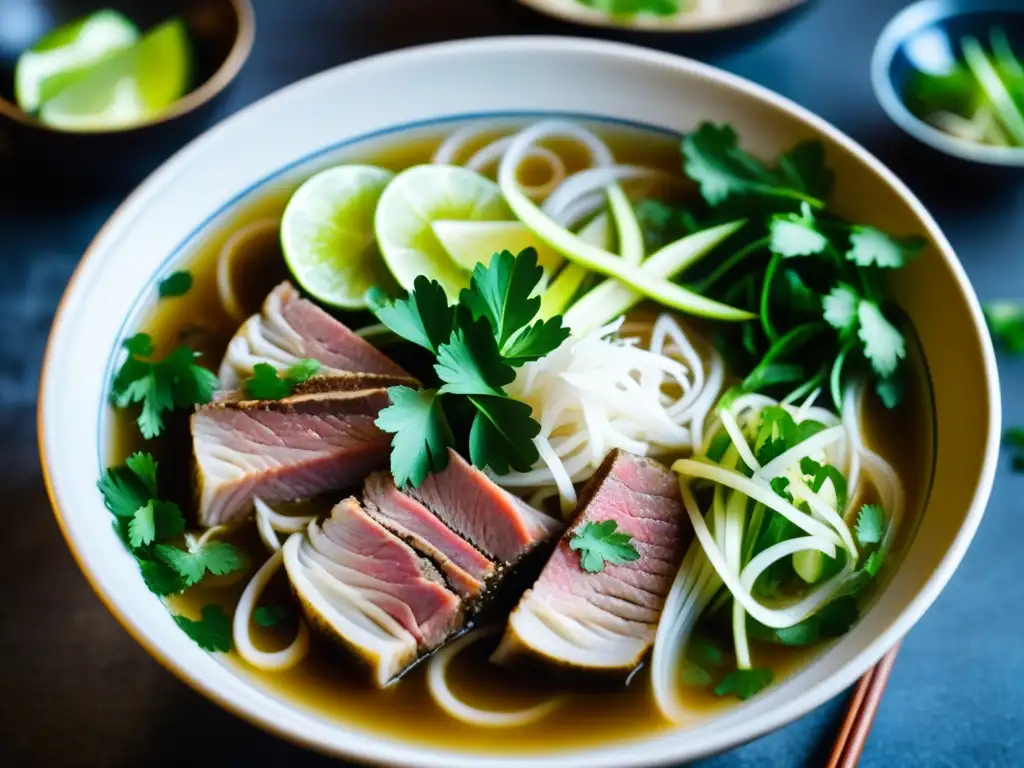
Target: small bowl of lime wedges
99, 93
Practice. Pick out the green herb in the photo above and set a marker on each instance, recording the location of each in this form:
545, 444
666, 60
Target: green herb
634, 7
1014, 438
873, 563
1006, 324
157, 519
599, 543
870, 525
422, 434
477, 345
272, 615
832, 620
820, 473
744, 683
212, 632
796, 234
160, 578
159, 386
870, 247
216, 557
175, 284
268, 383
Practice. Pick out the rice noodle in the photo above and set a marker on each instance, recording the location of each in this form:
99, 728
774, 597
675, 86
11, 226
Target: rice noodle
437, 683
598, 392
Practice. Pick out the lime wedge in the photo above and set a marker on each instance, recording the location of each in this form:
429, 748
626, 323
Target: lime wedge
470, 242
63, 55
420, 196
126, 87
327, 234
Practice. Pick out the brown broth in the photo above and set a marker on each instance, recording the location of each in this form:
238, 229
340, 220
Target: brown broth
326, 683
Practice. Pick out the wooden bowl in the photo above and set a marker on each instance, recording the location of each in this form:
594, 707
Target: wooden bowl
37, 157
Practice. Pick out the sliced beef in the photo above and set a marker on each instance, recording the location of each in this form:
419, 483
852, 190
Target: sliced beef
465, 568
288, 449
370, 591
290, 329
606, 620
497, 523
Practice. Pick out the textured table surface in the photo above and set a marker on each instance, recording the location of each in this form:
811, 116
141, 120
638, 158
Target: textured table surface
75, 689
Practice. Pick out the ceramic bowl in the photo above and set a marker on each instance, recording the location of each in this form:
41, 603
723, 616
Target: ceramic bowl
428, 88
33, 154
927, 34
713, 16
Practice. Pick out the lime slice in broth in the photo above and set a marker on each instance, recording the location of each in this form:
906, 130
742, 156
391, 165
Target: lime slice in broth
420, 196
472, 242
127, 87
65, 54
328, 238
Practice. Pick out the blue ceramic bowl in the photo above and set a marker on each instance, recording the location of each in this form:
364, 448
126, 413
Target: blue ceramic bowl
926, 36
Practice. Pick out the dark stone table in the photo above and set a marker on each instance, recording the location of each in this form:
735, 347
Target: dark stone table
75, 689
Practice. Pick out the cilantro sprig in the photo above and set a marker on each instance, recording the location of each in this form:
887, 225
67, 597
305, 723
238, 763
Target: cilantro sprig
476, 344
268, 383
151, 528
816, 281
601, 543
159, 386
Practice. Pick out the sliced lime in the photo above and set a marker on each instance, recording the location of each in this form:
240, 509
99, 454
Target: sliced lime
472, 242
128, 86
65, 54
420, 196
327, 234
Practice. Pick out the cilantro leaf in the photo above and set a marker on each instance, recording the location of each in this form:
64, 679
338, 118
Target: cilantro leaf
1006, 324
123, 491
820, 473
502, 433
424, 318
883, 343
796, 234
535, 341
139, 345
143, 466
694, 674
873, 247
744, 683
599, 543
190, 384
142, 528
422, 435
780, 485
470, 363
874, 562
832, 620
212, 632
217, 557
870, 524
804, 168
890, 390
840, 308
272, 615
160, 578
156, 520
500, 291
175, 284
268, 383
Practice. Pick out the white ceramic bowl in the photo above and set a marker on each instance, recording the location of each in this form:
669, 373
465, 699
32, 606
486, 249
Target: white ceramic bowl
314, 120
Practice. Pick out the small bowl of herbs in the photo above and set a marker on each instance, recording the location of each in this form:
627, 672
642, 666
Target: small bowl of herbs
951, 74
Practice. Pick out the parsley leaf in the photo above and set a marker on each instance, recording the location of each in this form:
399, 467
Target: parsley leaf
424, 318
500, 291
873, 247
422, 435
217, 557
840, 308
536, 341
1006, 324
502, 433
796, 234
870, 524
175, 284
272, 615
744, 683
268, 383
159, 386
470, 363
212, 632
883, 343
599, 543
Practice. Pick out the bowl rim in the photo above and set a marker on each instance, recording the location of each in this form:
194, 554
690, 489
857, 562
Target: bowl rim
377, 750
228, 70
896, 30
680, 23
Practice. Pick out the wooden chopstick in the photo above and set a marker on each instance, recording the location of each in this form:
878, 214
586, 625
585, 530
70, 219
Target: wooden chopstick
861, 713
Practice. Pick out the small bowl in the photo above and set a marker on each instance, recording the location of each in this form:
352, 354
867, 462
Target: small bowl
735, 13
33, 154
429, 91
935, 27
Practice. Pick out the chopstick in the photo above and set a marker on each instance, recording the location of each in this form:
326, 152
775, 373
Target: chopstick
861, 713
